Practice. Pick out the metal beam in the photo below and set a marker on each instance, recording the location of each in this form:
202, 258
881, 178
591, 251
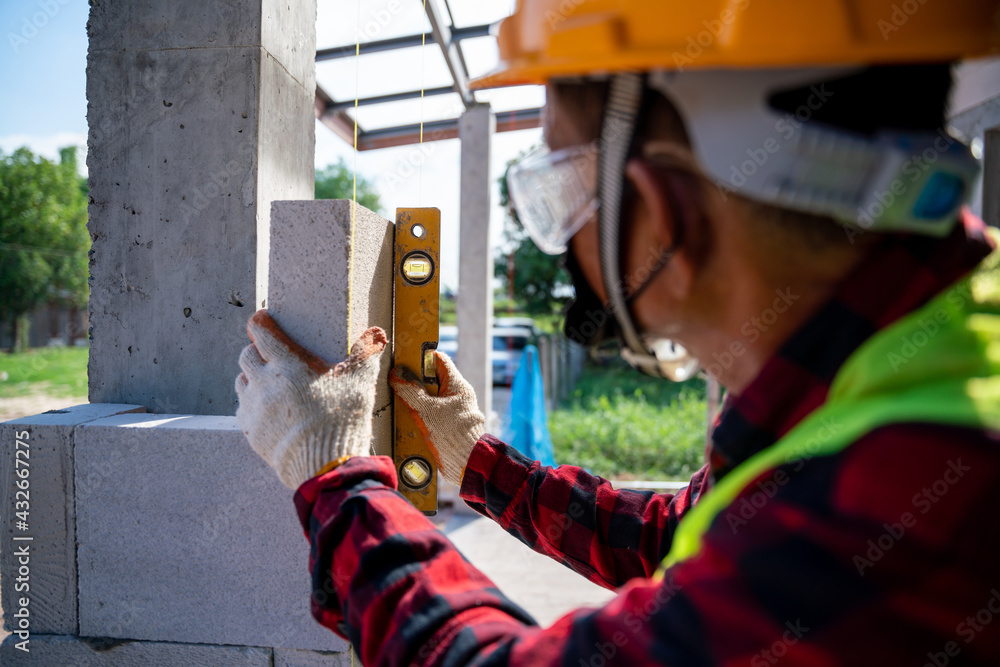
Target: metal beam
394, 97
443, 35
439, 130
338, 121
407, 42
405, 135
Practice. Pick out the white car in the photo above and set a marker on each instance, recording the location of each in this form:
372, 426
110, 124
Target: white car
508, 346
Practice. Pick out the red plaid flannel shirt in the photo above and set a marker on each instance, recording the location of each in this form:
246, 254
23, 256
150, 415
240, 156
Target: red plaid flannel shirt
886, 553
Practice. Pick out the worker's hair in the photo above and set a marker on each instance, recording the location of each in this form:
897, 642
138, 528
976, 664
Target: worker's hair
903, 97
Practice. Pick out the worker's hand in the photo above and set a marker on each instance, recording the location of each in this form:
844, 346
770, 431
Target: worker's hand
297, 411
451, 421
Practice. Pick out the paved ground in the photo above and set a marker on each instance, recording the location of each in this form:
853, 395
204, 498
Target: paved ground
546, 589
501, 403
33, 404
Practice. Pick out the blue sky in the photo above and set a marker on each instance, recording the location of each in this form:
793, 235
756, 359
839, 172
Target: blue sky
43, 58
43, 55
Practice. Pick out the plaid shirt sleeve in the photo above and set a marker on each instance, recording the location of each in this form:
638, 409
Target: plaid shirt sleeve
818, 562
385, 578
608, 535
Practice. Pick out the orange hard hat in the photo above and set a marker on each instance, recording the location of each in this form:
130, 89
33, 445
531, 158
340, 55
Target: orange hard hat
547, 39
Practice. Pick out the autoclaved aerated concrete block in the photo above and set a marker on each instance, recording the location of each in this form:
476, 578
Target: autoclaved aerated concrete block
309, 291
51, 579
65, 650
185, 534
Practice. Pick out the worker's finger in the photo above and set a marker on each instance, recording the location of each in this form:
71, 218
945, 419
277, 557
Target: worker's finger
241, 383
407, 386
367, 350
450, 381
273, 343
250, 360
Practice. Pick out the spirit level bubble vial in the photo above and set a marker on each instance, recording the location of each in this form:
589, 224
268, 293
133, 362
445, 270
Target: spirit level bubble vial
415, 330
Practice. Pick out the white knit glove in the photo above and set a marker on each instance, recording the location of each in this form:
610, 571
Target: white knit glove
451, 421
297, 411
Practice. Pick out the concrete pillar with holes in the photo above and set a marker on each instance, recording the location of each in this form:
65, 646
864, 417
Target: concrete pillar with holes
200, 114
474, 309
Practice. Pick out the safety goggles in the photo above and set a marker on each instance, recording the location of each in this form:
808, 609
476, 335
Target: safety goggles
554, 193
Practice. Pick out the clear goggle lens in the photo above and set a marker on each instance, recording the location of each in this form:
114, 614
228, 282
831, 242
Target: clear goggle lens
554, 193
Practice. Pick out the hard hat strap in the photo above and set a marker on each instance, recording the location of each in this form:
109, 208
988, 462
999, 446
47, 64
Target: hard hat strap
621, 116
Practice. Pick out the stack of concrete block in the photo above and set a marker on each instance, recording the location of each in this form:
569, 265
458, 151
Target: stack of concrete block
157, 539
165, 539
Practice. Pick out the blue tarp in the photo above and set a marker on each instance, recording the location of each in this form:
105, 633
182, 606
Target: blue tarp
526, 427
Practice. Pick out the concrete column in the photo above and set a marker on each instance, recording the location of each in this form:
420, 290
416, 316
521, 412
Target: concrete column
991, 177
200, 114
474, 309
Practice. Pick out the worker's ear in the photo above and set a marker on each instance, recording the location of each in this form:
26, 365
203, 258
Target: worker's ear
660, 202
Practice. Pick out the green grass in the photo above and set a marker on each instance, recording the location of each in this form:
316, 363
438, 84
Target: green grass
623, 425
56, 371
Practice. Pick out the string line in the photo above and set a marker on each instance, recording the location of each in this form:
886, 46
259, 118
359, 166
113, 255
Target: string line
354, 194
423, 61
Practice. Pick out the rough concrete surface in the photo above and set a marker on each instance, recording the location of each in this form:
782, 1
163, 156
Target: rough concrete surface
52, 557
286, 28
285, 153
172, 217
311, 252
186, 109
184, 534
290, 657
130, 25
76, 652
288, 32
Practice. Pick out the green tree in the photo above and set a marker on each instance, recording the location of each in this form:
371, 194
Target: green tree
336, 181
541, 285
43, 235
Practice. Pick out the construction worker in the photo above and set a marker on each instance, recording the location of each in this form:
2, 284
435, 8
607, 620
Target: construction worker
762, 188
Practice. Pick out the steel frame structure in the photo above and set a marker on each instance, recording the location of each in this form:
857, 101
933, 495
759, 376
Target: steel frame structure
333, 113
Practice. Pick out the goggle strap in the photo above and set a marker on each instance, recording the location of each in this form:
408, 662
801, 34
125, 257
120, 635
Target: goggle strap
621, 112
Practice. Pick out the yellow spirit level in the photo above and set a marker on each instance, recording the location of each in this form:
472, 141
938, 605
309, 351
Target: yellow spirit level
415, 331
